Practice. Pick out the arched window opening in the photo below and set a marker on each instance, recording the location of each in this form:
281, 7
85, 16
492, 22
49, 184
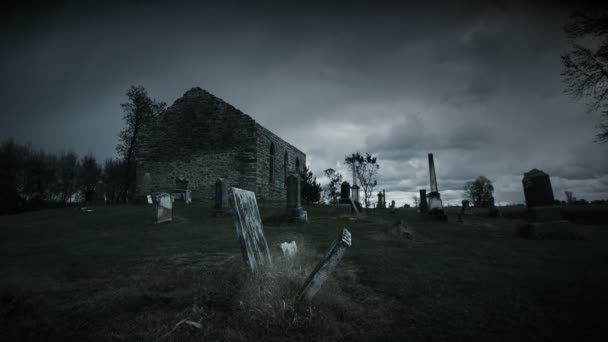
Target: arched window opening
298, 165
271, 164
285, 162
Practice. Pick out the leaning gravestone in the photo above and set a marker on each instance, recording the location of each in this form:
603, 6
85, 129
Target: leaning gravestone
164, 207
222, 194
326, 266
249, 228
537, 188
545, 220
294, 205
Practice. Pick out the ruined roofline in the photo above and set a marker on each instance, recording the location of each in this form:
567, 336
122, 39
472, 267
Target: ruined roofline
199, 92
257, 124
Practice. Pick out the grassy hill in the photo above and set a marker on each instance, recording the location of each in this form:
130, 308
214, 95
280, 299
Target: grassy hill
113, 275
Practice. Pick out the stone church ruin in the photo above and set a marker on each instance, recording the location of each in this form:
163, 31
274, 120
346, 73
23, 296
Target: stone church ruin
201, 138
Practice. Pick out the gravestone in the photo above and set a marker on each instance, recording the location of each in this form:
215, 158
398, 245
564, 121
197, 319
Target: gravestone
393, 204
325, 267
222, 194
344, 192
423, 206
294, 206
537, 188
164, 207
545, 220
149, 199
289, 249
380, 203
346, 203
463, 208
249, 229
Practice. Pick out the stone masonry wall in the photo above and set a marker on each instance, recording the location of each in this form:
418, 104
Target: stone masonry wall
275, 190
201, 138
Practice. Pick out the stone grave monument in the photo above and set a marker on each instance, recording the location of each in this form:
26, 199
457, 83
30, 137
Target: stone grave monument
463, 208
380, 203
294, 205
544, 218
325, 267
249, 229
345, 203
164, 207
435, 204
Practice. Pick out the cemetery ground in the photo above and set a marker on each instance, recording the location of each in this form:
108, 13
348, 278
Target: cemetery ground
113, 275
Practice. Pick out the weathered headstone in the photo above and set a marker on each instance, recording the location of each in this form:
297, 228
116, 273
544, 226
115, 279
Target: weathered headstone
294, 206
325, 267
222, 194
423, 206
249, 229
537, 188
289, 249
149, 199
393, 204
164, 207
545, 220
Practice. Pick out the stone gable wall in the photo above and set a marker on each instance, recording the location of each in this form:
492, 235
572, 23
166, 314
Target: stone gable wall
201, 138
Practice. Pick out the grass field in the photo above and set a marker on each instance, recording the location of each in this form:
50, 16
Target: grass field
113, 275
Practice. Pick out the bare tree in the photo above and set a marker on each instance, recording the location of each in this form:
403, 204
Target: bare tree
570, 199
139, 112
416, 200
366, 170
586, 67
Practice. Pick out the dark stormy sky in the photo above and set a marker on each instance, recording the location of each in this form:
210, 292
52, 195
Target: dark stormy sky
476, 83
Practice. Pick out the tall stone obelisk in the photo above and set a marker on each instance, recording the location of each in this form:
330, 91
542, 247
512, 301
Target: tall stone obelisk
435, 204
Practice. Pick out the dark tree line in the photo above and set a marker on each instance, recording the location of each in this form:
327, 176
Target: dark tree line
310, 189
32, 179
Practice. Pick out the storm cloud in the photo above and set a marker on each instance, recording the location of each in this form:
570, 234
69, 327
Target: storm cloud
475, 83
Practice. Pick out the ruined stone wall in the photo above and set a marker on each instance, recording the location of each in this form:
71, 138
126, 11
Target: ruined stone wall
275, 189
201, 138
